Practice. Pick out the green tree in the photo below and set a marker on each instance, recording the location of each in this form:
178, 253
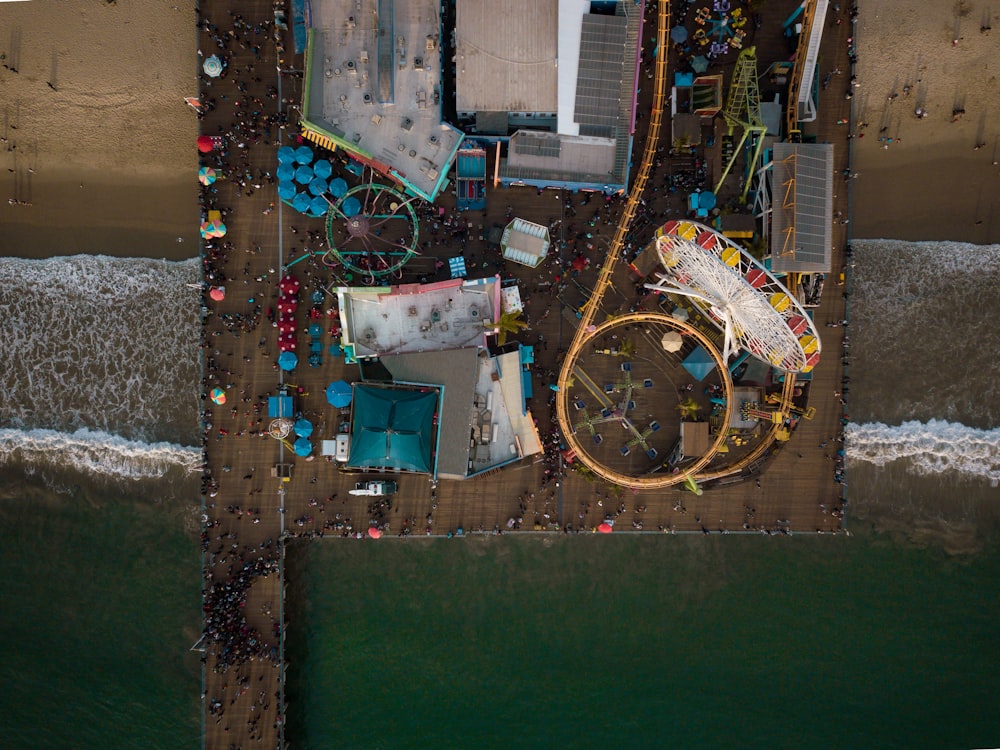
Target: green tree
509, 323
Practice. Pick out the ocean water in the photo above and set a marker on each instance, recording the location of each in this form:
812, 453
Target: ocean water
99, 507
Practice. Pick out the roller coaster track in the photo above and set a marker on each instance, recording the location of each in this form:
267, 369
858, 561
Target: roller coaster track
586, 330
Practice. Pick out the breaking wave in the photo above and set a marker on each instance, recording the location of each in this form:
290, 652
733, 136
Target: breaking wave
96, 453
933, 447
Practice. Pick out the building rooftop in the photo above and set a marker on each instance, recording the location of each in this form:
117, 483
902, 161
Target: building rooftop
417, 317
373, 85
802, 207
393, 428
506, 56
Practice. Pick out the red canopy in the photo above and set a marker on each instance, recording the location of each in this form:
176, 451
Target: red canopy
289, 285
605, 528
286, 345
286, 326
286, 308
205, 144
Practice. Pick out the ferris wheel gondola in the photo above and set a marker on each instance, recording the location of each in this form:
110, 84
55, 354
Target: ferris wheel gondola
740, 296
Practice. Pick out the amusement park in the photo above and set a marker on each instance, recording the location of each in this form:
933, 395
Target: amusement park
577, 289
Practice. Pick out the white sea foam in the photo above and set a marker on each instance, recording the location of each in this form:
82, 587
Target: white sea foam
932, 447
101, 343
96, 453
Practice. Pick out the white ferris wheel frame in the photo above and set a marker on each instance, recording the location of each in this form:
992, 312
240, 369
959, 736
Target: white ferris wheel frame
739, 295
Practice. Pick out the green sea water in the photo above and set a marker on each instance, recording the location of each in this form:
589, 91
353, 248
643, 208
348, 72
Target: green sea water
100, 606
689, 642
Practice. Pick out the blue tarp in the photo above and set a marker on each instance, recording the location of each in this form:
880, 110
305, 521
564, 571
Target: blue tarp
279, 406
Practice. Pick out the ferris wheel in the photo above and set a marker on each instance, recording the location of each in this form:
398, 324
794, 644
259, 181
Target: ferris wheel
743, 299
372, 230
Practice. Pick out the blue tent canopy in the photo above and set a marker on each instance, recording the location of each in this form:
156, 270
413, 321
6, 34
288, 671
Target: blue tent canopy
287, 360
279, 406
303, 428
317, 186
323, 168
319, 206
303, 175
286, 190
302, 447
301, 202
699, 363
339, 393
351, 206
303, 155
338, 187
392, 428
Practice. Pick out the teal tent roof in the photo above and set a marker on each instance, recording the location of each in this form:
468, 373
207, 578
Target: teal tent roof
393, 428
699, 363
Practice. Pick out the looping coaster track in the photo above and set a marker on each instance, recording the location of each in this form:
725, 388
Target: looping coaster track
587, 330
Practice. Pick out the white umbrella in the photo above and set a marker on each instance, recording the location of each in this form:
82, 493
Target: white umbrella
212, 66
672, 341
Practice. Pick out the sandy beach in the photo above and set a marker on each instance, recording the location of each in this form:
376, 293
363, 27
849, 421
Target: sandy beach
97, 137
922, 178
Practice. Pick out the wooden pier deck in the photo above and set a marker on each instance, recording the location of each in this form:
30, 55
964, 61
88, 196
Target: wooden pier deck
250, 513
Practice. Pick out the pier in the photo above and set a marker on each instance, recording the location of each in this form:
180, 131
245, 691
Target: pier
260, 497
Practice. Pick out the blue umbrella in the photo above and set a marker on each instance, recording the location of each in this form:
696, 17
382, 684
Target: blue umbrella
286, 190
302, 447
303, 175
323, 168
301, 202
319, 206
706, 199
315, 329
317, 186
303, 155
338, 187
286, 155
285, 172
351, 206
287, 361
339, 393
304, 428
317, 298
678, 34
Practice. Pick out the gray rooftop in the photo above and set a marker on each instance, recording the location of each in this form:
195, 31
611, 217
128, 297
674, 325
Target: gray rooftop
534, 155
802, 207
506, 55
375, 82
417, 318
599, 76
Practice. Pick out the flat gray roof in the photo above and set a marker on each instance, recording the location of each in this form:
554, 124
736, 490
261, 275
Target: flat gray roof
575, 157
802, 207
417, 317
375, 82
599, 75
506, 55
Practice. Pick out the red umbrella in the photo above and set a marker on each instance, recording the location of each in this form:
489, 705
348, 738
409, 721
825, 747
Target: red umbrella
289, 285
287, 326
285, 346
286, 308
217, 293
605, 528
374, 533
205, 144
